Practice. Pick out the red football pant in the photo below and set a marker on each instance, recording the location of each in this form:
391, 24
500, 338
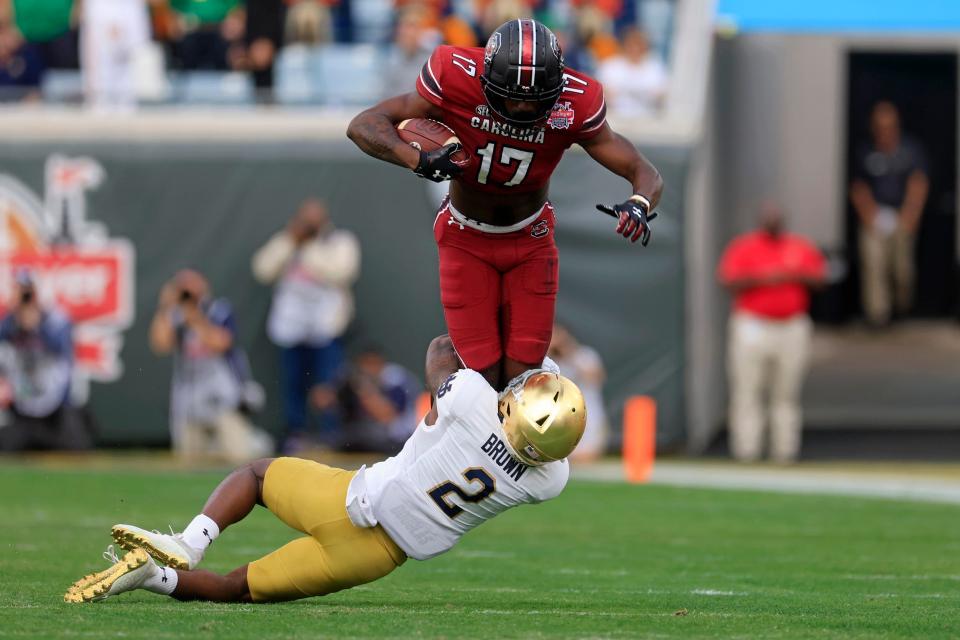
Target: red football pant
498, 290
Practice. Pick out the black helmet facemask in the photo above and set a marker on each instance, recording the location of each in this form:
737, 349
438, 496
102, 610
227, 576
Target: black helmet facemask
522, 62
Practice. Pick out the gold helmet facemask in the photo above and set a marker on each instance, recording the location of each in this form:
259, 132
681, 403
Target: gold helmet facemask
543, 416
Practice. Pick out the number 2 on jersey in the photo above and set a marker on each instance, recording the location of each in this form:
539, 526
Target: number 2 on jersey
474, 474
507, 156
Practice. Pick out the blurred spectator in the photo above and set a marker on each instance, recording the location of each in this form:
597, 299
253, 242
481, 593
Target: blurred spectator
493, 13
207, 33
575, 55
37, 370
609, 9
634, 82
769, 273
432, 11
313, 265
49, 25
457, 32
591, 26
309, 22
377, 403
211, 389
21, 67
264, 36
411, 47
583, 365
889, 192
113, 34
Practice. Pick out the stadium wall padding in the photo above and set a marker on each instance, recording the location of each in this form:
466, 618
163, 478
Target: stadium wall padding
211, 206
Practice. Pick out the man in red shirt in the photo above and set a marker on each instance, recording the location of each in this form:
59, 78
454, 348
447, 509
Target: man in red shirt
516, 109
770, 274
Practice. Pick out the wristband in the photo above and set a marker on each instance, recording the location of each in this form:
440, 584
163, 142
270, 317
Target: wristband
640, 200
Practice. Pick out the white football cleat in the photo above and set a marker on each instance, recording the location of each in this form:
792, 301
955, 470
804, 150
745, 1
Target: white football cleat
169, 549
125, 574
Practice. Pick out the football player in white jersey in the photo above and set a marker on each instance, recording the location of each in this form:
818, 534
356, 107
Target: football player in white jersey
474, 455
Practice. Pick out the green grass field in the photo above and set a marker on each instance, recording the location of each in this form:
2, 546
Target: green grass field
602, 561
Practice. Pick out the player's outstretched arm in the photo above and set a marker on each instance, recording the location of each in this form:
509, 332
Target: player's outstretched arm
374, 130
442, 361
620, 156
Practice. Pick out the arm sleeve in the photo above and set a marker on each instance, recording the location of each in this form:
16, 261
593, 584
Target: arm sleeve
269, 261
429, 81
596, 113
336, 262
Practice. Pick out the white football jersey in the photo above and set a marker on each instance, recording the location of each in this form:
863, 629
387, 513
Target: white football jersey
450, 476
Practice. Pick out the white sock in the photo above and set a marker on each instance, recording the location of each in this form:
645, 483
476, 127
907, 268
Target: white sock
201, 532
163, 580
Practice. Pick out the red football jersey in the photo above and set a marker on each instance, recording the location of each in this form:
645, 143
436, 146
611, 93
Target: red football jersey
505, 157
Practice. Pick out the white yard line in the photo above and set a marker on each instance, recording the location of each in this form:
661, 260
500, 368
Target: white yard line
797, 479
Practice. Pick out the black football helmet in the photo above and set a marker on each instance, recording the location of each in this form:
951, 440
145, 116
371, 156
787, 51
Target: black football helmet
522, 62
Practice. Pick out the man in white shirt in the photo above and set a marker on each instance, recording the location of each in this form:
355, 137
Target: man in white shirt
634, 82
312, 266
473, 456
113, 35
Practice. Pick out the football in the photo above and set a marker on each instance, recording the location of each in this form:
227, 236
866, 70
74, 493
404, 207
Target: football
429, 135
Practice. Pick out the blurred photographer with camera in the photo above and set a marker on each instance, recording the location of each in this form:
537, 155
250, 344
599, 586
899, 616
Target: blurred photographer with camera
312, 266
37, 367
376, 402
212, 391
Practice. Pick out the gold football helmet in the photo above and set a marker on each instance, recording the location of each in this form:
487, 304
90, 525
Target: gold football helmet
543, 416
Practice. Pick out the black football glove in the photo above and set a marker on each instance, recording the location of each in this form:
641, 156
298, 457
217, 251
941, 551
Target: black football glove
437, 166
633, 218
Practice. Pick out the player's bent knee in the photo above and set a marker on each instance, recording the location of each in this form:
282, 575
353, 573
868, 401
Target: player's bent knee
259, 467
259, 470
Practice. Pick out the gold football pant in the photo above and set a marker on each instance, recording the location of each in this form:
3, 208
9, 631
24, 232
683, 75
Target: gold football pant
335, 554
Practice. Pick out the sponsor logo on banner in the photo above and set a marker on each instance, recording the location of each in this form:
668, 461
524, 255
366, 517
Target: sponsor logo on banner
75, 263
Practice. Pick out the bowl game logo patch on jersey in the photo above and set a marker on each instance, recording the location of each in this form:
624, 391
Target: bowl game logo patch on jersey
561, 117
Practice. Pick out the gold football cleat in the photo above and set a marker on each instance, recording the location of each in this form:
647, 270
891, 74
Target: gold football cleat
169, 550
121, 576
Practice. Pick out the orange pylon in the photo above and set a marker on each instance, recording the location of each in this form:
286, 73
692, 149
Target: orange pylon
639, 437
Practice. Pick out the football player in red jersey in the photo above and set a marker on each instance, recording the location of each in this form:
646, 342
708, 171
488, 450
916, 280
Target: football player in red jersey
516, 109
